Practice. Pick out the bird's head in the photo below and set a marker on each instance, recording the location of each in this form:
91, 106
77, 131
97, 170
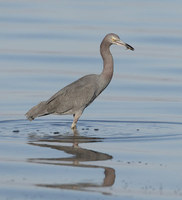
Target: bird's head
114, 39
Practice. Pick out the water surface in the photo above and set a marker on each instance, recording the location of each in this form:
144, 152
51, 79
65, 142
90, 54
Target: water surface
128, 142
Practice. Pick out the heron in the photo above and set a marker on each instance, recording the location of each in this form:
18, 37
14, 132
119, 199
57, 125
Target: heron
75, 97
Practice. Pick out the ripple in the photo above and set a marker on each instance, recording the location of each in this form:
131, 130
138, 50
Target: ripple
93, 130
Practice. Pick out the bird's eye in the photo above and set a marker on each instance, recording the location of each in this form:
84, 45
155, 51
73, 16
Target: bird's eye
113, 39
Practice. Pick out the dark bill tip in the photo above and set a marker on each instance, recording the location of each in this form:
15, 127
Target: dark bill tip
129, 47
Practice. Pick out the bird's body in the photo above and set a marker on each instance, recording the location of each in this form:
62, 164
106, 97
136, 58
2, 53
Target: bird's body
75, 97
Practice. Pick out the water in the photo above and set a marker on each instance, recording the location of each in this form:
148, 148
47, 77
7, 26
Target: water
128, 142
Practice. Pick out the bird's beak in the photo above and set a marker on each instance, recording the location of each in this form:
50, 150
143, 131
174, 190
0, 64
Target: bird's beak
121, 43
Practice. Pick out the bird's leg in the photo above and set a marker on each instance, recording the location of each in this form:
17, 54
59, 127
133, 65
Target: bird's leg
76, 118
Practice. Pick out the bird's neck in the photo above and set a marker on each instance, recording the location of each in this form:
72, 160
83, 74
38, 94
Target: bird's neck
108, 64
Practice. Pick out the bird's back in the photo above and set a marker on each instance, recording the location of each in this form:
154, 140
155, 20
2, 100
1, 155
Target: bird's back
76, 96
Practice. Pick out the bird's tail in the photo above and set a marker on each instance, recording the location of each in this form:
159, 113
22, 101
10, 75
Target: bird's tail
37, 111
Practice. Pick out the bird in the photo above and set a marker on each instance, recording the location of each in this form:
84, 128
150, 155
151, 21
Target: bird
75, 97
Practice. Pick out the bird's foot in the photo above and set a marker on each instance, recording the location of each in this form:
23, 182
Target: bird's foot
73, 126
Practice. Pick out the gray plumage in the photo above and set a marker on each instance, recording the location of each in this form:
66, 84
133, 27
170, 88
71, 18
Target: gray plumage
75, 97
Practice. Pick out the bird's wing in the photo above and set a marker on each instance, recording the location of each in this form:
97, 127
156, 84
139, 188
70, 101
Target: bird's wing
75, 96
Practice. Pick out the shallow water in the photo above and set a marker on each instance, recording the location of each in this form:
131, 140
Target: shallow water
129, 141
117, 159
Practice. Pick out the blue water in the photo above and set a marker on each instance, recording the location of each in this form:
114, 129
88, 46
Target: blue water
128, 143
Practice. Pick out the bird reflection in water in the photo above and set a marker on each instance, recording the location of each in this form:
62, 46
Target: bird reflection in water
79, 158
